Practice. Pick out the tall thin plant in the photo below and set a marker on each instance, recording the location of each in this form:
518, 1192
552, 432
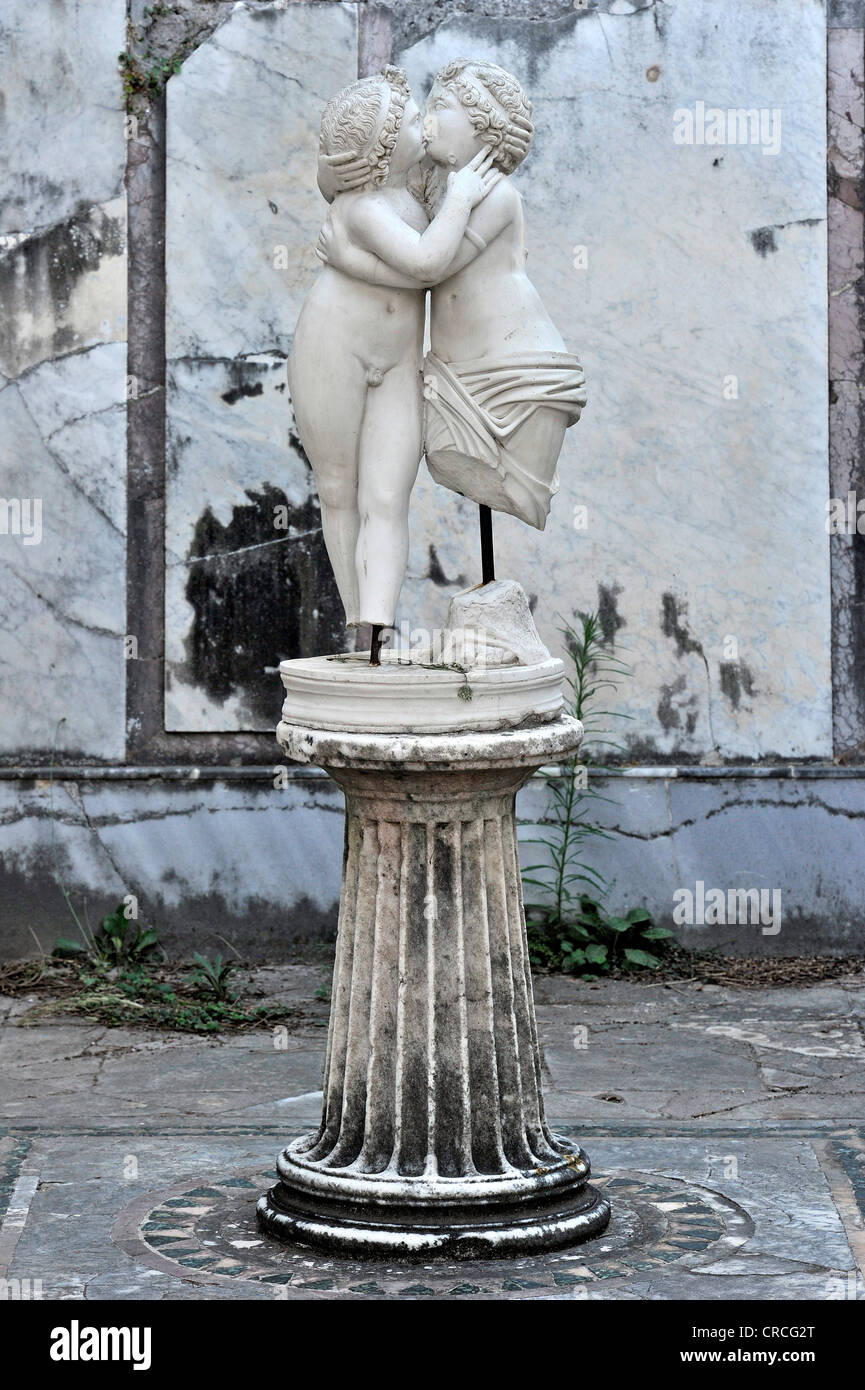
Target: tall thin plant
86, 931
576, 933
565, 876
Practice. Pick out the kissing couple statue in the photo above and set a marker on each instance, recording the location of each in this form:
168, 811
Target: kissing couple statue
433, 1140
422, 203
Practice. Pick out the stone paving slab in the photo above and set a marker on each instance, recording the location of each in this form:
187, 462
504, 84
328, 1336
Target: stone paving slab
687, 1051
738, 1113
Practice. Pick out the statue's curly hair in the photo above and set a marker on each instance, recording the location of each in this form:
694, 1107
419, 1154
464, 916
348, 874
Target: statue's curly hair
366, 117
475, 81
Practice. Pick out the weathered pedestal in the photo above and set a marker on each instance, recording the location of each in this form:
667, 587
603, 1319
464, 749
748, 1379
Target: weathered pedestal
433, 1137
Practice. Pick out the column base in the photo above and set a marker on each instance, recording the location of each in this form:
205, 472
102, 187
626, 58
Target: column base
471, 1232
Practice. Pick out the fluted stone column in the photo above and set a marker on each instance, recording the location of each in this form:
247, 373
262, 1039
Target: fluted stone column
432, 1136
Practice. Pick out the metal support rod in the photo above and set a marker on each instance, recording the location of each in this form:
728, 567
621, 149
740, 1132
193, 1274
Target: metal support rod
488, 563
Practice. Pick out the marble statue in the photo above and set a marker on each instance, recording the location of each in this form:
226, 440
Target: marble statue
355, 359
500, 387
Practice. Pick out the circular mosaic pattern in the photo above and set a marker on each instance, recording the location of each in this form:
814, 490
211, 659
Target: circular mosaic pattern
209, 1234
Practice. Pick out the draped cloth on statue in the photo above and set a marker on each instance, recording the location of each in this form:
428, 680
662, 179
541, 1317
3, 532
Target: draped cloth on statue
478, 436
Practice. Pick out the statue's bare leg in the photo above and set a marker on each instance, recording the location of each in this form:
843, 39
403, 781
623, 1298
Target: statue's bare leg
329, 427
390, 450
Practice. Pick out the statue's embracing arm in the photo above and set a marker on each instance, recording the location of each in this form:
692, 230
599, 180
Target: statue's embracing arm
488, 219
334, 248
376, 225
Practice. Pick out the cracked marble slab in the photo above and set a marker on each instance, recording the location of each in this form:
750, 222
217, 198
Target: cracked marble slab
697, 504
241, 203
63, 380
671, 833
184, 852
